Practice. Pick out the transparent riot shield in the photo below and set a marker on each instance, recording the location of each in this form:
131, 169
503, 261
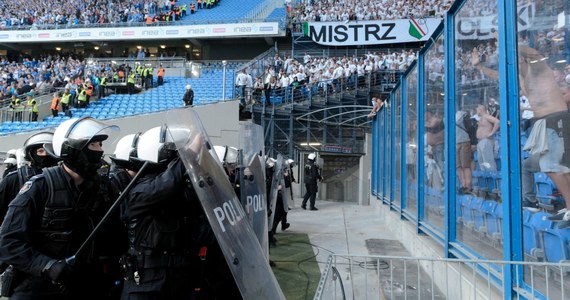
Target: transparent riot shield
252, 181
286, 193
275, 182
227, 218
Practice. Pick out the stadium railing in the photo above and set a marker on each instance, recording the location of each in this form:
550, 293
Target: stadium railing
396, 277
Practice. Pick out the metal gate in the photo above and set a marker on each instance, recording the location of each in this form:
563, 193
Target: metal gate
394, 277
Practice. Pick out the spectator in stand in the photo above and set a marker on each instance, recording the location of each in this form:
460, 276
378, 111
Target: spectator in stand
56, 14
464, 153
487, 126
367, 10
188, 96
435, 136
377, 103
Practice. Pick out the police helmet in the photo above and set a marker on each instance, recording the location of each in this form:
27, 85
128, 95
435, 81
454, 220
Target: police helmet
270, 162
227, 155
158, 144
312, 156
125, 151
35, 142
73, 135
21, 157
11, 153
10, 161
188, 87
291, 162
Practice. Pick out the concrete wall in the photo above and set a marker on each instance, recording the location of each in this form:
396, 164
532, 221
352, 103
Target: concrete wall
221, 121
364, 172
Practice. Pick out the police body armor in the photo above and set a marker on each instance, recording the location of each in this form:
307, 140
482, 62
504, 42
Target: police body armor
58, 235
311, 173
170, 231
25, 173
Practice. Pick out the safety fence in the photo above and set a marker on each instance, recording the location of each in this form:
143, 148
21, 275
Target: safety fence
324, 91
395, 277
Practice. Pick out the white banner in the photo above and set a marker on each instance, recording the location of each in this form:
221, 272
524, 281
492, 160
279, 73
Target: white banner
370, 32
482, 28
140, 33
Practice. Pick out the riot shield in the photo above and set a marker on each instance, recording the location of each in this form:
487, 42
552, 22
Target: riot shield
275, 181
286, 193
227, 218
252, 181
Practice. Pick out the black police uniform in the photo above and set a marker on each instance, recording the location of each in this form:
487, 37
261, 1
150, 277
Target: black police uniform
173, 253
280, 213
49, 219
8, 170
160, 228
11, 184
312, 175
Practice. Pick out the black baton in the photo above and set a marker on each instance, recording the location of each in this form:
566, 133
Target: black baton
89, 239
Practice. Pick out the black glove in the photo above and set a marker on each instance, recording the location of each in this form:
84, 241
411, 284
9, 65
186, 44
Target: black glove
58, 271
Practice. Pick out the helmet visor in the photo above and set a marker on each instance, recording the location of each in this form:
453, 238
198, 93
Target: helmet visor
83, 131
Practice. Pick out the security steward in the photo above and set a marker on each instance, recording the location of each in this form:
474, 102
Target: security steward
65, 101
160, 75
55, 101
32, 105
131, 83
103, 86
53, 214
82, 97
38, 157
312, 175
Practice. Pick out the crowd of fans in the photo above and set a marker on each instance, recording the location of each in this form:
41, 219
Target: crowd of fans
41, 75
367, 10
320, 74
37, 13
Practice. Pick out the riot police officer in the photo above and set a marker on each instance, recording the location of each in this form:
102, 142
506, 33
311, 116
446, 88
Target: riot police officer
10, 163
312, 176
53, 214
228, 156
35, 153
171, 246
158, 214
124, 166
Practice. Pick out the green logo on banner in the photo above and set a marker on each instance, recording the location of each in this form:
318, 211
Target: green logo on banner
417, 29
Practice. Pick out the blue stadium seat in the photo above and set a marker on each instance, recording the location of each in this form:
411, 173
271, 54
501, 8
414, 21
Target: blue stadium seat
532, 228
465, 202
478, 213
545, 193
555, 242
479, 181
493, 220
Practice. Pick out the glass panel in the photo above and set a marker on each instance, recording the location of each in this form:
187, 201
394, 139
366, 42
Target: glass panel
543, 52
374, 140
476, 147
397, 146
380, 146
434, 207
389, 152
411, 142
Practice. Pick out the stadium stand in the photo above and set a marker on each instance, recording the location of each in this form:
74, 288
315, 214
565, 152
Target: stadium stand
556, 243
533, 226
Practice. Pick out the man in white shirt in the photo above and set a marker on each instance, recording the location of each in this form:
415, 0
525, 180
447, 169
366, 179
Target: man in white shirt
241, 83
